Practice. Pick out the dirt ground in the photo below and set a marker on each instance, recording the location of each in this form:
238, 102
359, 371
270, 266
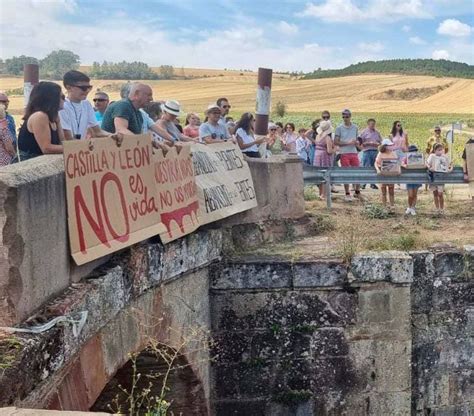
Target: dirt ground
365, 226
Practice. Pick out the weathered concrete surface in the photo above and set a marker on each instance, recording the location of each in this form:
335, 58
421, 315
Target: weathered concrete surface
278, 183
34, 254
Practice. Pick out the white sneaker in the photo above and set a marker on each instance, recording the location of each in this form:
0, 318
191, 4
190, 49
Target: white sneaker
412, 211
348, 198
408, 211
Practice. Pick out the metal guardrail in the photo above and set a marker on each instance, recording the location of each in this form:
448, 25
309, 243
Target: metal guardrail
338, 176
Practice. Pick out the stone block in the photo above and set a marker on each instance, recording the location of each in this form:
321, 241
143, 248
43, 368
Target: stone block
252, 275
72, 389
469, 261
241, 407
191, 252
34, 260
278, 183
93, 368
329, 342
449, 263
319, 273
389, 266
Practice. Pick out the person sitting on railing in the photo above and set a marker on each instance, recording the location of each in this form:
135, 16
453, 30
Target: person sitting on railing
246, 137
386, 152
438, 162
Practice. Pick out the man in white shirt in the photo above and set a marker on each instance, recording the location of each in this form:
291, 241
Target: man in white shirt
78, 115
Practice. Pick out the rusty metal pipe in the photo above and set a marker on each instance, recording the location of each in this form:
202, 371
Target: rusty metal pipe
262, 111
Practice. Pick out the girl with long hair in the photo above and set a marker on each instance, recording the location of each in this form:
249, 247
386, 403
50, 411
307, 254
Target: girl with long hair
399, 139
41, 132
191, 128
245, 135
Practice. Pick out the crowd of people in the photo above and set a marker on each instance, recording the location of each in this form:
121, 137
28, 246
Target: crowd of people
52, 117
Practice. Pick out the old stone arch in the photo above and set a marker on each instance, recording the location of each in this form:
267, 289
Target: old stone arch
150, 369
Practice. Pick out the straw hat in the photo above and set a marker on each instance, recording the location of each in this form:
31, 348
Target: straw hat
324, 126
211, 107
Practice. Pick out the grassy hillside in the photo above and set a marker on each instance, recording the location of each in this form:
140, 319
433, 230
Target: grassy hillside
437, 68
362, 93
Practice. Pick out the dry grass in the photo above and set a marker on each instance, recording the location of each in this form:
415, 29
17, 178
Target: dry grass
352, 228
355, 92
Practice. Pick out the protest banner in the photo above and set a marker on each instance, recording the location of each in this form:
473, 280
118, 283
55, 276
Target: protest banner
177, 197
111, 195
223, 179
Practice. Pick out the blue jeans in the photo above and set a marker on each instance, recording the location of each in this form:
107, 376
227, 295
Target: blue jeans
368, 158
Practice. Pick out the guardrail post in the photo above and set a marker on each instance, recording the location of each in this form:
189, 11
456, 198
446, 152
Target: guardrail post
327, 177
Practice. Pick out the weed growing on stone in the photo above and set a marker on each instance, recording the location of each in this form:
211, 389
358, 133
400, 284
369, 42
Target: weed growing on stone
310, 194
350, 238
10, 346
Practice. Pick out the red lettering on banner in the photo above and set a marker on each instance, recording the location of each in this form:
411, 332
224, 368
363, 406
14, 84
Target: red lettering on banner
109, 176
97, 226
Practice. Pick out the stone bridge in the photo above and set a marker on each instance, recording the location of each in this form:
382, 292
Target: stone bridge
389, 334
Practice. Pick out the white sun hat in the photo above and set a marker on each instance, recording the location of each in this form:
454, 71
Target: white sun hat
172, 107
387, 142
212, 106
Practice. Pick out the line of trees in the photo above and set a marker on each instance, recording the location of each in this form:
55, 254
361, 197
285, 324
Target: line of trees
57, 63
53, 66
434, 67
129, 70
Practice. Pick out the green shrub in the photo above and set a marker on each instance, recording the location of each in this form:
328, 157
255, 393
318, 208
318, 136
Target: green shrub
280, 108
376, 212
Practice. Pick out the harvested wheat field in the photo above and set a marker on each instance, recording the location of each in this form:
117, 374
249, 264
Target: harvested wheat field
362, 93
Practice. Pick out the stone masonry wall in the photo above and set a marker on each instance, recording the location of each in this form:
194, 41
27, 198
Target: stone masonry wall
443, 332
389, 335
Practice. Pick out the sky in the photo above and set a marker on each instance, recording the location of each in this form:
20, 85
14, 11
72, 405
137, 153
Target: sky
285, 35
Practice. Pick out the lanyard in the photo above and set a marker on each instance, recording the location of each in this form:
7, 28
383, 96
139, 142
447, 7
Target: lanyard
78, 122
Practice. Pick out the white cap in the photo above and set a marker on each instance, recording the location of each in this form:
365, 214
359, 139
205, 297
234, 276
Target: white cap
212, 106
387, 142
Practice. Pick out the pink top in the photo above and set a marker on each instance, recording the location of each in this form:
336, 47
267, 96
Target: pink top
321, 141
290, 141
191, 131
399, 142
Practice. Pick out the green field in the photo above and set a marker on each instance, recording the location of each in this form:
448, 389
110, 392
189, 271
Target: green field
419, 127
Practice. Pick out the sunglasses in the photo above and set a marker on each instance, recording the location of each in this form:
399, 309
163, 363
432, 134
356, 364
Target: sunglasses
83, 87
226, 106
326, 117
399, 125
438, 131
346, 116
99, 100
